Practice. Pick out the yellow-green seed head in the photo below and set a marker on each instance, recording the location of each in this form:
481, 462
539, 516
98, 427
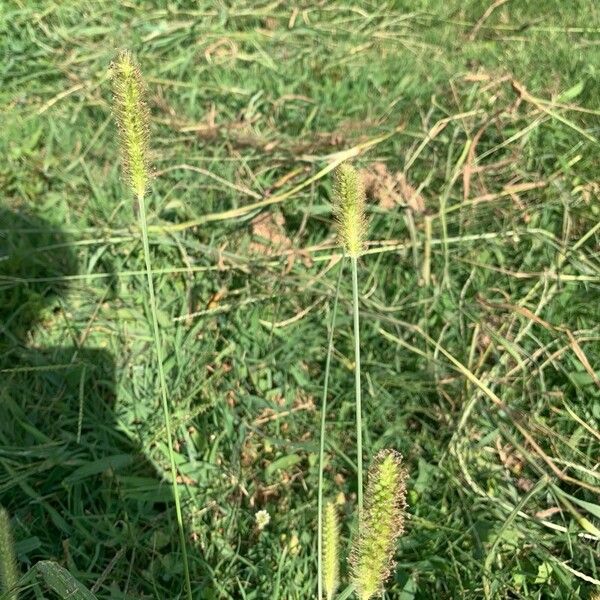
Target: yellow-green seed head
331, 545
380, 525
349, 205
8, 562
132, 117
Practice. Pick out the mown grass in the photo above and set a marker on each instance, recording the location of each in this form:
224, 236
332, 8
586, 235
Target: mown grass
480, 341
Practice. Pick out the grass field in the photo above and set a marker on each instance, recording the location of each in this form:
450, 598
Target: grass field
478, 128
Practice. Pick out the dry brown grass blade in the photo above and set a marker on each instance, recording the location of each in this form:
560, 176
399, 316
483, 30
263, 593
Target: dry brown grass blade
509, 190
522, 310
515, 417
545, 107
434, 131
470, 163
484, 17
573, 343
578, 350
334, 161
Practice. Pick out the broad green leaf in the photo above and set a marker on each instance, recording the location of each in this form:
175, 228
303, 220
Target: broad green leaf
116, 461
60, 581
571, 93
285, 462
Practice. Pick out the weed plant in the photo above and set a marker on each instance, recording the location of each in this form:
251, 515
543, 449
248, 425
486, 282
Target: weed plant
474, 127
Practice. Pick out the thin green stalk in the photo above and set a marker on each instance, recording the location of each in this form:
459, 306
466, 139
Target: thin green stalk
163, 390
359, 454
322, 439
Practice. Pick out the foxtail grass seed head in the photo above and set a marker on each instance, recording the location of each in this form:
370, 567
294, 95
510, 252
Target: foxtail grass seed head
331, 546
380, 525
349, 206
133, 117
8, 561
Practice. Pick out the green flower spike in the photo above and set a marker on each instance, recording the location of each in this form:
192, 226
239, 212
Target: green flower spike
349, 206
8, 562
132, 116
331, 545
380, 525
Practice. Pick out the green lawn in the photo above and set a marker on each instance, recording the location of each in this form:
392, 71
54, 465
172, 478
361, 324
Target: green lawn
479, 125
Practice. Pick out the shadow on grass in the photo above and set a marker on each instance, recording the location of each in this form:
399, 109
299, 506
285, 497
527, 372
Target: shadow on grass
78, 489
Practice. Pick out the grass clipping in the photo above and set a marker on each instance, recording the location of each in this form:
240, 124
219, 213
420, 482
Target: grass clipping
380, 525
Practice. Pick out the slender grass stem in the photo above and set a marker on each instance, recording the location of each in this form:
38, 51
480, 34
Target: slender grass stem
322, 437
163, 393
359, 454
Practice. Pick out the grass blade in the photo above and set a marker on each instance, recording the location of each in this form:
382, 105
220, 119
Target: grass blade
322, 437
61, 582
164, 395
357, 384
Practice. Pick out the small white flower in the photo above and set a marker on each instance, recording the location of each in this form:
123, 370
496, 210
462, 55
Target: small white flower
262, 518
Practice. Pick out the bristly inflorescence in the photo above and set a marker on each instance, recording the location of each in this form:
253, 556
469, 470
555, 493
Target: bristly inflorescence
349, 199
380, 525
331, 545
8, 561
133, 116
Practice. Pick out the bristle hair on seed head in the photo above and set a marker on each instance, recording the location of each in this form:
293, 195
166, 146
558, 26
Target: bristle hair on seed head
8, 562
380, 525
133, 117
331, 544
349, 207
